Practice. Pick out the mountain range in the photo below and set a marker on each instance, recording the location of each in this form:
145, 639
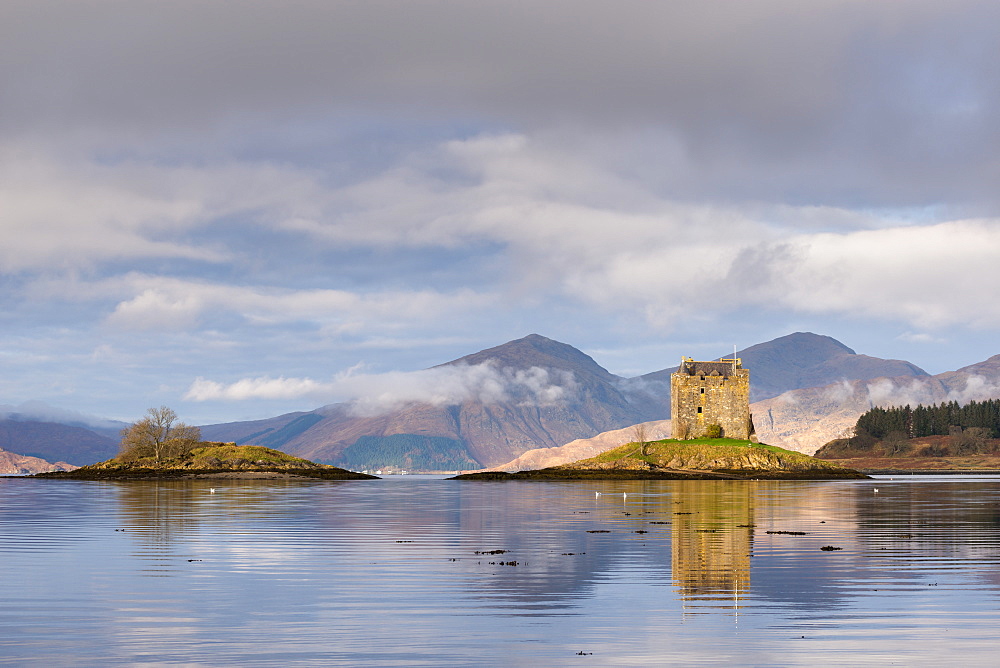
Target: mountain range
55, 442
535, 393
478, 433
585, 400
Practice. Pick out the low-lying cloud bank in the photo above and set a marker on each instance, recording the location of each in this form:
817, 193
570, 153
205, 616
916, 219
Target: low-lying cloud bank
886, 392
374, 394
41, 411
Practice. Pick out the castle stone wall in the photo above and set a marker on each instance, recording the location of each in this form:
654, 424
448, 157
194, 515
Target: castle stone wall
705, 393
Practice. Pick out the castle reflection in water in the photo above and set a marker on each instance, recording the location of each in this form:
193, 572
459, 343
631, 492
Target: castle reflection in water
711, 542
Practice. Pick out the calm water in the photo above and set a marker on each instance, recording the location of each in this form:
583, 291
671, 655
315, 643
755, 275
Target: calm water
387, 573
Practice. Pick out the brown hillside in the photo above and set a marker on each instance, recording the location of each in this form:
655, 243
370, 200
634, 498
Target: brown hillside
492, 433
14, 464
583, 448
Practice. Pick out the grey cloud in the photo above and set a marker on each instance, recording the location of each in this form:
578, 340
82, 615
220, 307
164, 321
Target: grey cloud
758, 273
258, 185
826, 96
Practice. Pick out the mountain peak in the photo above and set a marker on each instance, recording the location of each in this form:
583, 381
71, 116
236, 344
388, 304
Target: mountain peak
804, 359
804, 347
536, 350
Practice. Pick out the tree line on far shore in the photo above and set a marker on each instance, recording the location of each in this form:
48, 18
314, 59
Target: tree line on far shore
934, 420
970, 429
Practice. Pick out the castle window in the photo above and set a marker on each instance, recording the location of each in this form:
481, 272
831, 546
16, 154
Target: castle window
703, 378
699, 409
703, 390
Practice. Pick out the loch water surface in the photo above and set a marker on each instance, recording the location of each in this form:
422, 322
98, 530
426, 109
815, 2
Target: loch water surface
417, 570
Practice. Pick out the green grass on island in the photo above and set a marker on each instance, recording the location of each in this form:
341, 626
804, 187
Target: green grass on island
670, 459
211, 459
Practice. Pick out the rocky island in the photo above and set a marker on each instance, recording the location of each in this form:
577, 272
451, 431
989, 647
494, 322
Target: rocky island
158, 447
210, 460
694, 459
714, 439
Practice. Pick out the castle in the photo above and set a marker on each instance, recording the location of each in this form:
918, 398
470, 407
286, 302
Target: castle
711, 393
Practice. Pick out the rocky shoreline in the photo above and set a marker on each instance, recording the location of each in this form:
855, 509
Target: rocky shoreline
670, 459
214, 461
569, 473
331, 473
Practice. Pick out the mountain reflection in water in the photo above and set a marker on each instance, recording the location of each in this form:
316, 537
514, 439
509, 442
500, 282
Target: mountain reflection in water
421, 571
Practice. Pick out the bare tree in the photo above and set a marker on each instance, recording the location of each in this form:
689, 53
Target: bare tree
641, 436
183, 438
895, 443
157, 436
969, 441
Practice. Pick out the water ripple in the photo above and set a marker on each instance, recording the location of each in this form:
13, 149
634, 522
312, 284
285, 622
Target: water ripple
432, 572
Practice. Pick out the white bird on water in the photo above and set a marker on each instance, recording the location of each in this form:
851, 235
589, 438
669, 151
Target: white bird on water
875, 490
211, 490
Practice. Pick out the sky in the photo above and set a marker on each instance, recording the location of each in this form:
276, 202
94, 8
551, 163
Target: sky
241, 209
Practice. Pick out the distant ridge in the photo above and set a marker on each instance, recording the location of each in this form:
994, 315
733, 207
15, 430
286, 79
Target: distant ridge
804, 359
796, 386
493, 434
55, 442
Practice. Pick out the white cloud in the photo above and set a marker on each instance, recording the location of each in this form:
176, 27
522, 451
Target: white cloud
577, 228
563, 222
373, 394
161, 302
256, 388
838, 393
977, 388
920, 337
903, 392
930, 276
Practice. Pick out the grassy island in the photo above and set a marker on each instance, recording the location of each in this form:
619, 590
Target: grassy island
210, 460
698, 459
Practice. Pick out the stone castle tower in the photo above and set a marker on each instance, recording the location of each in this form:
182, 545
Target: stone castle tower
706, 393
